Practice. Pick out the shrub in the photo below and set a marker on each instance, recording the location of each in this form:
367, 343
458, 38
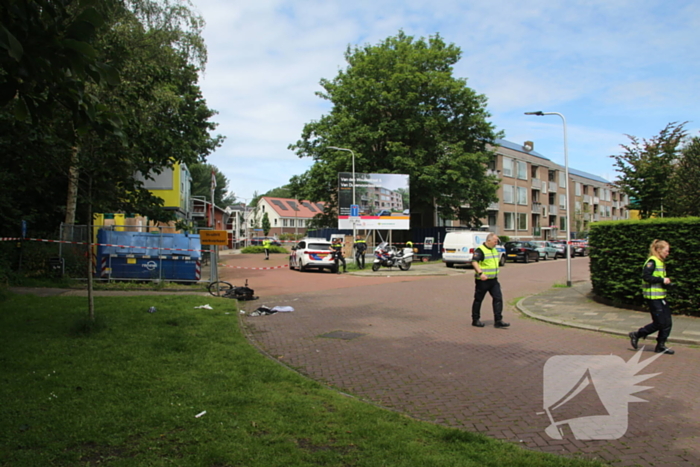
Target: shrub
618, 250
260, 249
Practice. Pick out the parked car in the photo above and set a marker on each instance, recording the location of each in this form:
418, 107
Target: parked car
580, 247
312, 253
560, 245
545, 249
521, 251
383, 213
257, 241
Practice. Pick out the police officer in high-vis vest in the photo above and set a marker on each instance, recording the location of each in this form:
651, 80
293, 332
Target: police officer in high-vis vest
360, 247
485, 263
266, 246
654, 291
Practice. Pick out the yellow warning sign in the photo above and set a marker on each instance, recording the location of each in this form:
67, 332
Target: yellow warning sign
213, 237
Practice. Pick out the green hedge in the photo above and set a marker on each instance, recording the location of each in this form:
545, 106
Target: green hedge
618, 250
260, 249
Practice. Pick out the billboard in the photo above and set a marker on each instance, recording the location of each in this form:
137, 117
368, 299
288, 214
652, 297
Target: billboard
381, 201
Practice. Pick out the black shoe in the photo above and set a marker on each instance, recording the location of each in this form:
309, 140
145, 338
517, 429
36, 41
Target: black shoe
501, 324
661, 348
634, 339
477, 324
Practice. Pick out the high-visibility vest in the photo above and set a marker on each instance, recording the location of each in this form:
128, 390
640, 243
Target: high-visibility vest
489, 265
655, 291
266, 243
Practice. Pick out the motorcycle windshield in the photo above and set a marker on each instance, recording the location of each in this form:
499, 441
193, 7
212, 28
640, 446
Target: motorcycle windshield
382, 246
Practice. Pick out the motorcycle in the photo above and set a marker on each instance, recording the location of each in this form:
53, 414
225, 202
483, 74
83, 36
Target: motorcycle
388, 256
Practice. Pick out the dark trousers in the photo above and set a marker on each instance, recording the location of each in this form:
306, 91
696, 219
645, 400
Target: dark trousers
494, 288
267, 253
360, 258
661, 321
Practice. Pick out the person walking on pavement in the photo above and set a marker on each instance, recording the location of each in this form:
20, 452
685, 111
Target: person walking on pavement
654, 287
485, 263
360, 247
266, 246
337, 247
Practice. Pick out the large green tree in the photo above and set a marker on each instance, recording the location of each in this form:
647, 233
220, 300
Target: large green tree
684, 195
201, 184
159, 114
399, 108
646, 167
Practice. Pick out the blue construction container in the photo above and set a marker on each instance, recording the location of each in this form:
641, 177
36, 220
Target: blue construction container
148, 256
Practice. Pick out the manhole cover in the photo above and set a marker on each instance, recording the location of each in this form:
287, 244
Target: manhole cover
342, 335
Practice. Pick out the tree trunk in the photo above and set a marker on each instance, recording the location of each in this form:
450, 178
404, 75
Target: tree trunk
72, 199
91, 300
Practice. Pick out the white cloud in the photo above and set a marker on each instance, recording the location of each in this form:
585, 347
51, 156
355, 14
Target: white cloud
610, 67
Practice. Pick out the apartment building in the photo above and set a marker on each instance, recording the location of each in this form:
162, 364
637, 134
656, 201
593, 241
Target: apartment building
532, 196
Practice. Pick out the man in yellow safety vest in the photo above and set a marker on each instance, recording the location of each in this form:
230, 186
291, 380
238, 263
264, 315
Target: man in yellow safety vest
485, 263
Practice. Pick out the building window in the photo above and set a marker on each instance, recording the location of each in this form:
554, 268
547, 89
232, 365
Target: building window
578, 189
509, 220
284, 222
562, 180
507, 167
508, 194
562, 202
522, 170
522, 196
300, 222
522, 221
562, 223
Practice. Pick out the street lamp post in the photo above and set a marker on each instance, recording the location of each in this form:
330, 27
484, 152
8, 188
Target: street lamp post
353, 183
568, 205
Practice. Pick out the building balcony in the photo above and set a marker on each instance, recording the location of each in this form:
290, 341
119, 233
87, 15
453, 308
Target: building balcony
552, 187
553, 211
536, 184
596, 200
493, 207
596, 217
587, 199
586, 216
536, 208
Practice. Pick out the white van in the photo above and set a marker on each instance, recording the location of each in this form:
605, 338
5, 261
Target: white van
459, 247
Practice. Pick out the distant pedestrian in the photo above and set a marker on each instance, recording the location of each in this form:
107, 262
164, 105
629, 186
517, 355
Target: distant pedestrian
266, 247
485, 263
654, 287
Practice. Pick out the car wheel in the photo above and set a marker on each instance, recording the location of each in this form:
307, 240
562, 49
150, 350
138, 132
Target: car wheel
291, 264
333, 269
527, 258
450, 265
546, 256
302, 268
537, 260
502, 262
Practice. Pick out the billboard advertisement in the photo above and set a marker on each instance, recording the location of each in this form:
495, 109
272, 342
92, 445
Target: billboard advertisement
381, 201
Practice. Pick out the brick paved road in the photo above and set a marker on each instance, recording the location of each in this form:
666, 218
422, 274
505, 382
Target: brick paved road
416, 353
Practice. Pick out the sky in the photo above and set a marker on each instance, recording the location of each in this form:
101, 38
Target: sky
611, 67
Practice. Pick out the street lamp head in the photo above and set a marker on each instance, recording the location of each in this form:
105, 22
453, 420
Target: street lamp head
539, 113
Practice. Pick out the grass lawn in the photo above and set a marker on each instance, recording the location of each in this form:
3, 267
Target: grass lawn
128, 392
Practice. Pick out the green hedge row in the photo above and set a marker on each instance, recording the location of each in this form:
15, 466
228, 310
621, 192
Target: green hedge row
260, 249
618, 250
